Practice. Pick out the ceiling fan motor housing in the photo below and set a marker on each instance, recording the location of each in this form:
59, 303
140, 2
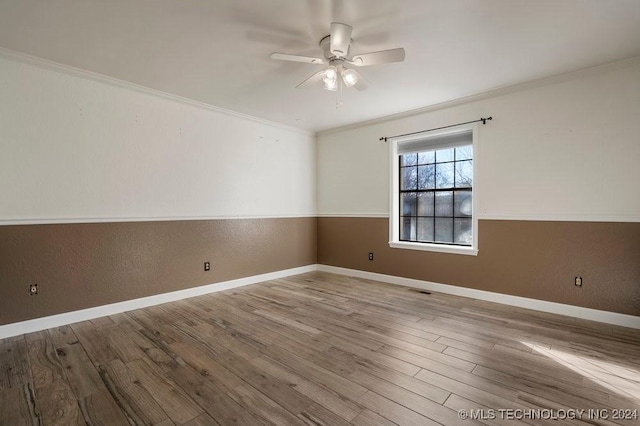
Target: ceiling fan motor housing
325, 45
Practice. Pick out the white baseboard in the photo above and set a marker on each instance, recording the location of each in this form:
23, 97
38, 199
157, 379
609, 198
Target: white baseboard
38, 324
505, 299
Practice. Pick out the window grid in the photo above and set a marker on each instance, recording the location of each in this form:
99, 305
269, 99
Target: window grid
413, 237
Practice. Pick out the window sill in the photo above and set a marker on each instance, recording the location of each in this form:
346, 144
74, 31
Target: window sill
471, 251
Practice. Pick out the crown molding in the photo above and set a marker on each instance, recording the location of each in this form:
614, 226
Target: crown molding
24, 58
498, 91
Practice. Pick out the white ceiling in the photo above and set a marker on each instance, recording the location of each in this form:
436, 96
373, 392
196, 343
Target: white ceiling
217, 51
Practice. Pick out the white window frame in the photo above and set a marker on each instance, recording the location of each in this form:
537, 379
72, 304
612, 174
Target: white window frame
394, 196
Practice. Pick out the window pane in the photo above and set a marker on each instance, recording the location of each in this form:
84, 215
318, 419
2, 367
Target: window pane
444, 155
464, 153
464, 173
425, 229
409, 176
444, 175
462, 231
425, 204
408, 203
426, 177
444, 203
408, 159
427, 157
407, 228
444, 230
463, 203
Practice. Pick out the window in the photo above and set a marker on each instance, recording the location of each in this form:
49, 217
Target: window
433, 194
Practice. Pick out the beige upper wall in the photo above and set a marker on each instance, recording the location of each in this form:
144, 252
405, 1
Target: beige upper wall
563, 151
77, 149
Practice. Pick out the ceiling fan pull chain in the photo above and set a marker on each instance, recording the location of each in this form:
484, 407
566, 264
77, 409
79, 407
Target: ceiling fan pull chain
339, 93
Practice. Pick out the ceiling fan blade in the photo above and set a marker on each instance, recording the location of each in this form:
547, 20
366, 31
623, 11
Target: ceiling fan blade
362, 82
376, 58
311, 81
296, 58
340, 39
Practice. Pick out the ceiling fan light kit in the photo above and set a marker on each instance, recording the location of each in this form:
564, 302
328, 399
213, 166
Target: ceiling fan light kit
336, 48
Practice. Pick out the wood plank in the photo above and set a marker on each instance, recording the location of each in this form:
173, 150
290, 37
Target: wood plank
121, 344
214, 400
133, 399
174, 401
393, 411
165, 359
319, 374
201, 420
318, 415
427, 390
369, 418
17, 406
330, 399
471, 393
80, 371
205, 363
14, 363
59, 405
95, 344
277, 390
263, 406
125, 322
394, 363
101, 409
46, 368
430, 409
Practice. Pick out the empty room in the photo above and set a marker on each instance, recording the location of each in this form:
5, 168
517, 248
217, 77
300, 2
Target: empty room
319, 212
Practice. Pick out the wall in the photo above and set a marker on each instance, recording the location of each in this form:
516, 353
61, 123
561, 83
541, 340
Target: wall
110, 193
557, 190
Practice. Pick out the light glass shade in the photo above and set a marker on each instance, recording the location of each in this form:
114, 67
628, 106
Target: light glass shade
350, 77
330, 74
331, 84
330, 78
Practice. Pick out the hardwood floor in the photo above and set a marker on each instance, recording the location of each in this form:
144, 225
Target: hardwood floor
322, 349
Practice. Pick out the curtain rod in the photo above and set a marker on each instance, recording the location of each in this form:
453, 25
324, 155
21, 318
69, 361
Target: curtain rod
484, 121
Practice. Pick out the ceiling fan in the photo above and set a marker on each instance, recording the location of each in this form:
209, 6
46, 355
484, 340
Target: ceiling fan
336, 48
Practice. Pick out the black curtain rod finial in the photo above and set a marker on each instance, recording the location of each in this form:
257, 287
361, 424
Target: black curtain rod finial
484, 120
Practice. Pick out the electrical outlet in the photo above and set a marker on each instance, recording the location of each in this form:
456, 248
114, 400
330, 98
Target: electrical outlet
370, 256
578, 281
207, 266
33, 289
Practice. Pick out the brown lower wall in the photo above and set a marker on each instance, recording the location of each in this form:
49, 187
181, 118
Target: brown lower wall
531, 259
79, 266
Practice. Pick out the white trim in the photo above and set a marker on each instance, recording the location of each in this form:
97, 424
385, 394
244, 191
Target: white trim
30, 326
4, 222
101, 78
394, 198
363, 215
38, 324
498, 91
569, 217
441, 248
505, 299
